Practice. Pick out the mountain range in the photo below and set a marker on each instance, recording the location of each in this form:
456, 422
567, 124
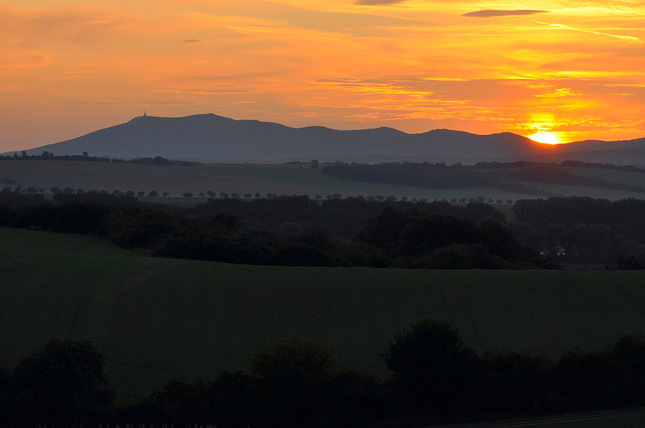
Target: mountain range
213, 138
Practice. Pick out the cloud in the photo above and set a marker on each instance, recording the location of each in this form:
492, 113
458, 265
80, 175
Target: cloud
492, 13
192, 41
377, 2
25, 60
598, 33
560, 92
82, 72
341, 22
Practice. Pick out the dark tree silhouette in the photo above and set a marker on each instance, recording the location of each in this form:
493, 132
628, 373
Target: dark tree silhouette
434, 373
62, 383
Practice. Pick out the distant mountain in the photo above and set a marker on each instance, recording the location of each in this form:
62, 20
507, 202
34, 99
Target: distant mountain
208, 137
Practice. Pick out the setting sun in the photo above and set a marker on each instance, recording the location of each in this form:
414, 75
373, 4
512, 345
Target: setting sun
68, 67
546, 138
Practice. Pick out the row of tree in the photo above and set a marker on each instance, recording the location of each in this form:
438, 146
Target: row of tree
582, 229
393, 238
504, 176
565, 230
430, 176
436, 377
85, 157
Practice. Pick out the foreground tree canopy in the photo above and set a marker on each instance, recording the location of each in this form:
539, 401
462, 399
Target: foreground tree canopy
436, 378
62, 383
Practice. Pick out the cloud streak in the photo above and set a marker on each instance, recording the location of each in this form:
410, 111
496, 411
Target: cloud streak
340, 63
493, 13
378, 2
597, 33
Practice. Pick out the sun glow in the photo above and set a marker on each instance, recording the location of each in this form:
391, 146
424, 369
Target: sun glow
562, 71
546, 137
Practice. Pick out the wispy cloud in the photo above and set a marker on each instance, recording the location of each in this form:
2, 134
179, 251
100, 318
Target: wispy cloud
598, 33
378, 2
26, 60
492, 13
560, 92
346, 63
82, 72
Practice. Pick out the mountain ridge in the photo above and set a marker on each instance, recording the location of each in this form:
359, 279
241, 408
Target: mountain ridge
212, 138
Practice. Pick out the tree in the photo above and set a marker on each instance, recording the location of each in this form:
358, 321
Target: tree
293, 375
626, 263
274, 358
158, 160
62, 383
435, 373
518, 383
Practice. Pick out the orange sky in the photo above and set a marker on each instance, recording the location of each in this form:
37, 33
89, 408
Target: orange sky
575, 68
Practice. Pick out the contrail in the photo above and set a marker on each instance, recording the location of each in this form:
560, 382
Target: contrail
598, 33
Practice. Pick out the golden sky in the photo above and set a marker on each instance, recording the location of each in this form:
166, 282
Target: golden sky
573, 68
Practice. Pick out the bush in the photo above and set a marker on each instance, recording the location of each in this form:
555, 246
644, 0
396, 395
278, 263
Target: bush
62, 383
434, 373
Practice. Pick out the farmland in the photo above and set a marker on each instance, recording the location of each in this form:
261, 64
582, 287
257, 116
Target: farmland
156, 319
286, 179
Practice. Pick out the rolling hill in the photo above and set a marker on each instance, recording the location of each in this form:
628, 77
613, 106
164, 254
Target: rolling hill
291, 179
208, 137
157, 319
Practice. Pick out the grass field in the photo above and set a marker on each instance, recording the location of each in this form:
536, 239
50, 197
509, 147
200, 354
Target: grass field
156, 319
623, 418
288, 179
247, 178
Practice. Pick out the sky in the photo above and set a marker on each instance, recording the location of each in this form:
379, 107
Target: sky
567, 70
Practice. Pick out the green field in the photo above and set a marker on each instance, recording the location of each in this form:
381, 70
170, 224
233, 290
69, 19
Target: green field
288, 179
156, 319
623, 418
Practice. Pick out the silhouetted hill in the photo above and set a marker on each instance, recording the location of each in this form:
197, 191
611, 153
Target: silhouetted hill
208, 137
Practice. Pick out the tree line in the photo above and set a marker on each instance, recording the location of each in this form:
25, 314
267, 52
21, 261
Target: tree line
504, 176
583, 229
414, 238
429, 176
85, 157
298, 230
435, 378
